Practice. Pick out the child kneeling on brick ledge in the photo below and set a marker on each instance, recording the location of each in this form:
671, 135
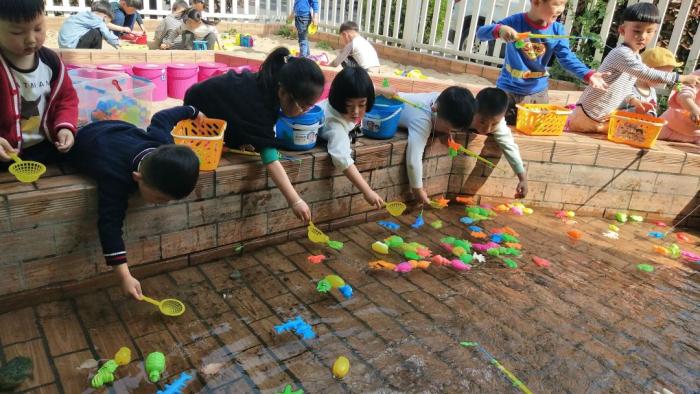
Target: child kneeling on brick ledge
123, 159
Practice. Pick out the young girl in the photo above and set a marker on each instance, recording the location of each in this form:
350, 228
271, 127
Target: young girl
251, 103
197, 29
168, 35
351, 95
683, 115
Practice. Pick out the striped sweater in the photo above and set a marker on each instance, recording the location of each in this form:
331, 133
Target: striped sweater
624, 66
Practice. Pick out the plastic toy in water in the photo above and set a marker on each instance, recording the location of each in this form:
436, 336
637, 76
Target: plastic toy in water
574, 234
26, 171
466, 220
380, 247
120, 107
395, 208
289, 390
104, 375
337, 245
424, 252
528, 211
436, 224
611, 234
317, 236
381, 265
334, 282
645, 267
155, 366
656, 234
501, 208
683, 237
478, 213
316, 259
505, 230
501, 251
482, 247
478, 234
440, 203
636, 218
177, 385
661, 250
419, 221
510, 263
621, 217
123, 356
299, 326
540, 262
614, 228
509, 238
389, 225
341, 367
169, 306
465, 200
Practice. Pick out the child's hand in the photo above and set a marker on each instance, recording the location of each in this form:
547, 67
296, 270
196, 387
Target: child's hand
5, 150
130, 285
421, 196
126, 29
301, 210
691, 79
695, 116
65, 140
164, 46
641, 107
373, 199
507, 33
388, 92
521, 189
597, 80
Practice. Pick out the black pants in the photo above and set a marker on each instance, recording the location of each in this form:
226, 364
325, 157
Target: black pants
90, 40
513, 99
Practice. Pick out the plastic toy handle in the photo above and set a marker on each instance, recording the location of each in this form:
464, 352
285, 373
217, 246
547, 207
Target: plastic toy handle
16, 158
116, 85
150, 300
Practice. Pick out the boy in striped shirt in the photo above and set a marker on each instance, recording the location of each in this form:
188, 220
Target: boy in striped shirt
623, 65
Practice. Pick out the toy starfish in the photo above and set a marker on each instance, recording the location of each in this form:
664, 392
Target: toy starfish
439, 203
611, 234
478, 257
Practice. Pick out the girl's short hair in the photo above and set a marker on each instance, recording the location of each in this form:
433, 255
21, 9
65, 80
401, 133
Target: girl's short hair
351, 83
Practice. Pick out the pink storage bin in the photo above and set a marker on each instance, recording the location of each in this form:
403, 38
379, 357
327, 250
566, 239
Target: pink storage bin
156, 74
122, 68
180, 77
210, 69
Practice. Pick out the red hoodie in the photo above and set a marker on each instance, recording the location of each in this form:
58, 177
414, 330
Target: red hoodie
61, 109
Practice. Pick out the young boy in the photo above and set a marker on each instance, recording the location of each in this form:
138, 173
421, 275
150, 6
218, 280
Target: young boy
489, 119
524, 75
86, 29
622, 67
168, 34
123, 159
304, 12
438, 114
356, 51
643, 98
125, 15
38, 104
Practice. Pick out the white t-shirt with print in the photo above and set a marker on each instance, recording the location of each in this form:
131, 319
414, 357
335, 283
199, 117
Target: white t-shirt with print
35, 88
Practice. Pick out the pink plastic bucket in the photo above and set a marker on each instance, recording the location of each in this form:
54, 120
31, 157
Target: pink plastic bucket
180, 77
122, 68
210, 69
156, 74
326, 91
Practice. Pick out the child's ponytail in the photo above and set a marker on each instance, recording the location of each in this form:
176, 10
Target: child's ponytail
300, 77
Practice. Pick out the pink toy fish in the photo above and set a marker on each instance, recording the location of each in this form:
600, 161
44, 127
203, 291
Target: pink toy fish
316, 259
480, 247
660, 224
517, 211
560, 214
690, 256
439, 260
448, 247
540, 262
460, 266
403, 267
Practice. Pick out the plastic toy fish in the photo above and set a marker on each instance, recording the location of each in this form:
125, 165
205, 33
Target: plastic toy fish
478, 235
465, 200
656, 234
505, 230
517, 211
419, 264
460, 266
123, 356
661, 250
611, 234
466, 220
436, 224
341, 367
497, 238
574, 234
104, 375
419, 221
476, 229
501, 208
380, 247
614, 228
403, 267
683, 237
528, 211
389, 225
636, 218
381, 265
424, 252
674, 251
560, 214
439, 260
177, 385
316, 259
621, 217
299, 326
660, 224
513, 245
540, 262
510, 263
690, 256
155, 366
645, 267
509, 238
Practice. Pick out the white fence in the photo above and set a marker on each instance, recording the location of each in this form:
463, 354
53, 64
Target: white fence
449, 31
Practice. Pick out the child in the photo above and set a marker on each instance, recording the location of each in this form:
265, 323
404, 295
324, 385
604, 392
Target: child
357, 51
622, 67
304, 12
125, 15
524, 76
123, 159
251, 103
350, 96
39, 106
683, 115
196, 29
643, 98
439, 114
86, 29
491, 107
168, 34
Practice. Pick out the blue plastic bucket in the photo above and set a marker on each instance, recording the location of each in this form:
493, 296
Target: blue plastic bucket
383, 120
299, 133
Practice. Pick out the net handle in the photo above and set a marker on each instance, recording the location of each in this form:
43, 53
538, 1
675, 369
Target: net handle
16, 158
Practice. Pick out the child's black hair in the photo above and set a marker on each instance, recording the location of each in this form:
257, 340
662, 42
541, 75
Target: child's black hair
349, 25
172, 170
300, 77
456, 105
198, 2
193, 14
138, 4
491, 102
351, 83
179, 4
20, 11
641, 12
102, 7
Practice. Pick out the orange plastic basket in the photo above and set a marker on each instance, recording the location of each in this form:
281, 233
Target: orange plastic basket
638, 130
205, 137
542, 119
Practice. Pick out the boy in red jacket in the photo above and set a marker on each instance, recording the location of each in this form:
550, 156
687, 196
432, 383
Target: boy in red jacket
38, 105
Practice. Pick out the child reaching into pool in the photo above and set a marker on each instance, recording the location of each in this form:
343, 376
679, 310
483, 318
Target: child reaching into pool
643, 98
683, 115
350, 97
251, 103
622, 67
123, 159
434, 114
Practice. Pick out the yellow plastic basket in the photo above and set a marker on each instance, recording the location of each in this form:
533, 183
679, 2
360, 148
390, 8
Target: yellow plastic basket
205, 137
541, 119
638, 130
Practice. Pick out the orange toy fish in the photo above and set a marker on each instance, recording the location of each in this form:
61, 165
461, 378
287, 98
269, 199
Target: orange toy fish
439, 260
574, 234
465, 200
316, 259
661, 250
381, 265
479, 234
422, 264
514, 245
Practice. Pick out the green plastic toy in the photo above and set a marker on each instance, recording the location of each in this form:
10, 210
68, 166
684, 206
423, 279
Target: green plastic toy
155, 365
105, 374
621, 217
510, 263
645, 267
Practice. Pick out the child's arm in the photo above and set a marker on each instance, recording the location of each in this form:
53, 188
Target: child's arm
359, 181
686, 99
575, 66
347, 50
504, 139
108, 35
170, 36
162, 122
5, 150
123, 29
314, 11
270, 157
65, 115
418, 134
502, 30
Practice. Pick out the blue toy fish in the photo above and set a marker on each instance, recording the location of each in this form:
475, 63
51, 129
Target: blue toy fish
419, 221
389, 225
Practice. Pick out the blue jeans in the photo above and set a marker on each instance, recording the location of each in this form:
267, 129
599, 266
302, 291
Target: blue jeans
302, 24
